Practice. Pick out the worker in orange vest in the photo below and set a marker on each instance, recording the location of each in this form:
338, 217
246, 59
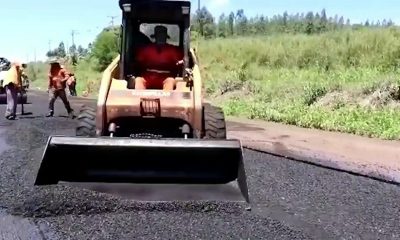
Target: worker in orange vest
158, 63
56, 88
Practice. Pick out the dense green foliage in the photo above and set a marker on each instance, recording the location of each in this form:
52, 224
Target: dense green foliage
105, 47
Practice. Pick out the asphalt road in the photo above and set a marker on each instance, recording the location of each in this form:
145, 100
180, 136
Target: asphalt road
291, 200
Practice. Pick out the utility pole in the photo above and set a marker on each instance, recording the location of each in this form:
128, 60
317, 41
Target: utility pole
73, 47
73, 32
112, 20
49, 45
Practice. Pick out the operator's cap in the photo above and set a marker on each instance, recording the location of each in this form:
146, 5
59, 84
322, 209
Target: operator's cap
159, 29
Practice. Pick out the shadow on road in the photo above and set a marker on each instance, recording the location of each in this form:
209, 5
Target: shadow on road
165, 192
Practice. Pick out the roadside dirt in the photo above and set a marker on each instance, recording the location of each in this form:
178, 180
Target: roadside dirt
366, 156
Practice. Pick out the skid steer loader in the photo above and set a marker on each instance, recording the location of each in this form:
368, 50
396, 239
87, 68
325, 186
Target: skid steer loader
148, 136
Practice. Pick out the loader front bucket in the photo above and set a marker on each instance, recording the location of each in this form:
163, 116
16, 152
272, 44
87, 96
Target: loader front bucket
126, 160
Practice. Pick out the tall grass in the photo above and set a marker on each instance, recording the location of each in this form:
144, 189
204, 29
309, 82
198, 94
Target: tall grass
368, 48
343, 81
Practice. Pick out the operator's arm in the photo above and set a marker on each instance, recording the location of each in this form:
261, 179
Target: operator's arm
177, 55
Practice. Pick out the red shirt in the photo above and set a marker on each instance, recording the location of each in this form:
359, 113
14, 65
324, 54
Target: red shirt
56, 78
161, 58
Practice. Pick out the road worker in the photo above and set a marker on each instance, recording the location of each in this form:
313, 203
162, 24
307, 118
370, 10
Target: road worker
12, 83
56, 88
158, 63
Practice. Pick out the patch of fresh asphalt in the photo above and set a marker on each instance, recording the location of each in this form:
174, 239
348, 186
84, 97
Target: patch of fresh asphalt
291, 200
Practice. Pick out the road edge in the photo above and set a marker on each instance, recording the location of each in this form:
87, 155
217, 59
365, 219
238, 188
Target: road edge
321, 160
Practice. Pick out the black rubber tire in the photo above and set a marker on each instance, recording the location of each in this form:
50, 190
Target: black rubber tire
214, 122
86, 122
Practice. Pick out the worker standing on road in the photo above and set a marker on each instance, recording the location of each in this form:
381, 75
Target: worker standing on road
56, 88
12, 82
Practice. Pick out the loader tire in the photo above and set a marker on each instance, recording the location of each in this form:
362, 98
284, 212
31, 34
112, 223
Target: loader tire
86, 122
214, 122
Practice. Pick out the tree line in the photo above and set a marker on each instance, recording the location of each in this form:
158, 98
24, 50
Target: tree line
238, 24
73, 55
105, 47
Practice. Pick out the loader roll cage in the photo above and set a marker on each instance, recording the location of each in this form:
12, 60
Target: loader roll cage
160, 12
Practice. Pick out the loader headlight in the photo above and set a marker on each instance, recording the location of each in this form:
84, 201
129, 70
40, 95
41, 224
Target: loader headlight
127, 7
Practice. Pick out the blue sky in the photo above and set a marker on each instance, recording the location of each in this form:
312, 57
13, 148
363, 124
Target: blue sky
30, 27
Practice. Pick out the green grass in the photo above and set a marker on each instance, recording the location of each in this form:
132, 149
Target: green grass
347, 81
340, 81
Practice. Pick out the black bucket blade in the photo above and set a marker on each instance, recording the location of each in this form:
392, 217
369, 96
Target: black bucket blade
126, 160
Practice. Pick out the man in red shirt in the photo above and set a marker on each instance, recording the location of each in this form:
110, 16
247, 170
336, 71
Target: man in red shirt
57, 84
158, 62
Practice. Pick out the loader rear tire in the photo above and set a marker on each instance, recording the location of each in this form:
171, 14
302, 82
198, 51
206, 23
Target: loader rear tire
214, 122
86, 122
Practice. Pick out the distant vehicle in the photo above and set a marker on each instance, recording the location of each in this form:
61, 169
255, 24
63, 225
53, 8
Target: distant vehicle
5, 64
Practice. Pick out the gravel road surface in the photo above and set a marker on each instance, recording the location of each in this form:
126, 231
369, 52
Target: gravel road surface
290, 200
